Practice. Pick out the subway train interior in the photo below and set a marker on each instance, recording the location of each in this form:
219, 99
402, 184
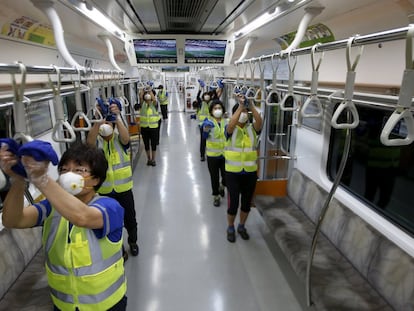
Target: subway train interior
331, 222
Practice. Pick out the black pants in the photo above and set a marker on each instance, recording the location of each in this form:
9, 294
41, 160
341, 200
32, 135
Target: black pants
216, 167
126, 200
240, 185
164, 111
150, 136
202, 143
120, 306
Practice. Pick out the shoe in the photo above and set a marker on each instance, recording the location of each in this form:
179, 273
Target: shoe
231, 236
221, 190
203, 158
243, 233
149, 162
216, 200
124, 254
153, 163
134, 249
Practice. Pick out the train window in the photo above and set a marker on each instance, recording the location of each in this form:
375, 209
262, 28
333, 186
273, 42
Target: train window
40, 120
382, 176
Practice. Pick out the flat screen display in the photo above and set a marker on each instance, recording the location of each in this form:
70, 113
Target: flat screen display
155, 51
199, 51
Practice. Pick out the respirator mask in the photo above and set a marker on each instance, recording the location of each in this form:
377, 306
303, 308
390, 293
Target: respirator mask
217, 113
105, 130
243, 117
147, 97
72, 182
207, 98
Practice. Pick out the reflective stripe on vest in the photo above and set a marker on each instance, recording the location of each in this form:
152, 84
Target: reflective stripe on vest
216, 140
83, 271
240, 152
119, 173
149, 116
203, 113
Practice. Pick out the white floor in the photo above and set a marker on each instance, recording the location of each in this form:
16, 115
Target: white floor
185, 261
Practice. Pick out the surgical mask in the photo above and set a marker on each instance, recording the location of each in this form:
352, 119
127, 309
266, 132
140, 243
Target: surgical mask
243, 117
147, 96
217, 113
72, 182
105, 130
206, 98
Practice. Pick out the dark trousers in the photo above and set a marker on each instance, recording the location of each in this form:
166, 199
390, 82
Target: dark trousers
150, 136
120, 306
126, 200
240, 185
164, 111
216, 167
202, 143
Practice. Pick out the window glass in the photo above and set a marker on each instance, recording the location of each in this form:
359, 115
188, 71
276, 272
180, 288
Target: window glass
380, 175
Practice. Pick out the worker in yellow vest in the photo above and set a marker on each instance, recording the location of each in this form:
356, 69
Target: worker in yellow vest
150, 122
241, 164
162, 96
82, 231
213, 131
118, 183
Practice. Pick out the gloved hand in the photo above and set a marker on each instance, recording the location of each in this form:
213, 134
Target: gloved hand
36, 171
114, 109
150, 83
207, 125
201, 82
40, 150
220, 83
11, 146
103, 107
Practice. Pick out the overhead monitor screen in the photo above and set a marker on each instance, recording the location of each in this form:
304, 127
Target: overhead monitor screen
155, 51
199, 51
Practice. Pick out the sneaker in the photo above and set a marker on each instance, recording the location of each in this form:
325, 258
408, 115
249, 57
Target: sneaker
134, 249
243, 233
153, 163
124, 254
231, 236
216, 200
203, 158
221, 190
149, 162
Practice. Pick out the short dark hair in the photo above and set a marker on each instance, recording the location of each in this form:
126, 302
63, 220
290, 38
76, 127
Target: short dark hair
216, 102
91, 155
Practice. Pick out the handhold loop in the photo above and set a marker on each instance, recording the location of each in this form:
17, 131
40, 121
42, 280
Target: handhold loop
289, 102
347, 103
403, 108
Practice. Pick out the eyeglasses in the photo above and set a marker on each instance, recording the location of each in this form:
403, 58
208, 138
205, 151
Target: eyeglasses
77, 170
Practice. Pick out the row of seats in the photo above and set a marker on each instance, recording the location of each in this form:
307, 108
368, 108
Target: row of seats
355, 267
23, 283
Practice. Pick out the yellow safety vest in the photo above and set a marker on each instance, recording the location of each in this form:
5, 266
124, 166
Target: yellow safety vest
83, 271
203, 113
119, 173
162, 97
149, 116
240, 151
216, 140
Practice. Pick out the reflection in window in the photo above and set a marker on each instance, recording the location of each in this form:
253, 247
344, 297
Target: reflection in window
382, 176
40, 120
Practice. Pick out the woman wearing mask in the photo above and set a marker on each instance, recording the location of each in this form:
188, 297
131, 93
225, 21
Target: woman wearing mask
213, 132
241, 164
149, 121
77, 224
202, 114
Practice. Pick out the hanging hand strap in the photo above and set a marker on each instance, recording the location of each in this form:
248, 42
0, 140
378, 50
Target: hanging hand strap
313, 98
403, 109
273, 97
83, 121
290, 97
347, 103
260, 95
61, 124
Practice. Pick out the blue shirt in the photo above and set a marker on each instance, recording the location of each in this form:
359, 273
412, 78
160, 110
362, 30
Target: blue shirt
112, 212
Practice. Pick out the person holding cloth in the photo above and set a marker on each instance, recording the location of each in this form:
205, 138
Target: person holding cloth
118, 182
77, 224
202, 113
149, 121
241, 164
213, 131
162, 96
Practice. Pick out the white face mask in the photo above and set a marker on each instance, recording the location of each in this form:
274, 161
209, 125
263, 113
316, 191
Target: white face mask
72, 182
206, 98
105, 130
147, 97
243, 117
217, 113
